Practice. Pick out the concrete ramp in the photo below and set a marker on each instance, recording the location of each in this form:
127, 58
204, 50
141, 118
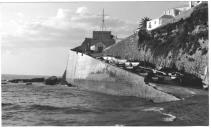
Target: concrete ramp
91, 74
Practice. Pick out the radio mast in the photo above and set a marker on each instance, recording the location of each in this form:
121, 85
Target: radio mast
103, 22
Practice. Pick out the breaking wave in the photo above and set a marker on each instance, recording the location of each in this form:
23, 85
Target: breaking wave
169, 117
66, 110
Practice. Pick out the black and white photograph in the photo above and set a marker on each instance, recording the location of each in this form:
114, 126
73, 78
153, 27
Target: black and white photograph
104, 63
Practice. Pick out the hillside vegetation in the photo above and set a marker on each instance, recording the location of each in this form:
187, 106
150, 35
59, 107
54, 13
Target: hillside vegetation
182, 45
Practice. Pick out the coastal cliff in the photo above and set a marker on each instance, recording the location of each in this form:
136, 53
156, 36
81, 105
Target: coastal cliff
181, 45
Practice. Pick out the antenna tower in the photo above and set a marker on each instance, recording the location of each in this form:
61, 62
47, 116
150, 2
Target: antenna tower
103, 22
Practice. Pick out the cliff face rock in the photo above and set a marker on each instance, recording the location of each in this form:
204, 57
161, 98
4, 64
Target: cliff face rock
182, 45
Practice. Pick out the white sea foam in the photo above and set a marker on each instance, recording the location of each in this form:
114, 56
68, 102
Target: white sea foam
169, 117
155, 109
119, 125
192, 92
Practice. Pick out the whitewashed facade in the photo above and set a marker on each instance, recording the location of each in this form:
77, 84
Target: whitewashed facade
155, 23
152, 24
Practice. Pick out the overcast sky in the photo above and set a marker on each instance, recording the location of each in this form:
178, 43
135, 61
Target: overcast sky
36, 37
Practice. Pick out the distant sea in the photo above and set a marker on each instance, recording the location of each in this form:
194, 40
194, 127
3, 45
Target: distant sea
44, 105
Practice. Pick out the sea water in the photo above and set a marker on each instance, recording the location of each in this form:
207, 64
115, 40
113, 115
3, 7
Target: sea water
45, 105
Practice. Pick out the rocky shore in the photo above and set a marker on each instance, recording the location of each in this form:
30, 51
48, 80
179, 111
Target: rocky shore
52, 80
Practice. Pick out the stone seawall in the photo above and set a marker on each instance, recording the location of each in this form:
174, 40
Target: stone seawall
94, 75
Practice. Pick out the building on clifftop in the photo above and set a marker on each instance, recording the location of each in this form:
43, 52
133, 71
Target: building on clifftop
169, 14
99, 41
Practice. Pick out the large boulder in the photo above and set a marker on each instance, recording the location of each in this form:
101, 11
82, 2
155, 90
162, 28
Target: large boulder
51, 80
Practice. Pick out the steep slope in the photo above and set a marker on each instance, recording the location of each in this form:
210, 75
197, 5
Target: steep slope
182, 45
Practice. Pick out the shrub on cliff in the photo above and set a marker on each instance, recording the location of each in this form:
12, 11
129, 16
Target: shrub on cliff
143, 23
200, 15
143, 36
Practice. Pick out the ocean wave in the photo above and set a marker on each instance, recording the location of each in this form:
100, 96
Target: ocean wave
43, 107
119, 125
155, 109
66, 110
169, 117
10, 106
6, 104
80, 111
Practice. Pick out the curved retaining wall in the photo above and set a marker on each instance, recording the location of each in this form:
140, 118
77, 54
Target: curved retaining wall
94, 75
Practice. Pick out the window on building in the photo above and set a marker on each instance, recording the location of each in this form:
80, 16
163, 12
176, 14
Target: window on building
154, 22
150, 25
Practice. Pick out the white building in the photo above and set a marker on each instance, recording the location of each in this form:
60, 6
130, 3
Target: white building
168, 15
152, 24
97, 47
173, 12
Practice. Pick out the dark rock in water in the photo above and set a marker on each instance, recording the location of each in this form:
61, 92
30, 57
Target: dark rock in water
51, 80
70, 85
14, 81
4, 81
37, 80
27, 80
28, 83
59, 80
